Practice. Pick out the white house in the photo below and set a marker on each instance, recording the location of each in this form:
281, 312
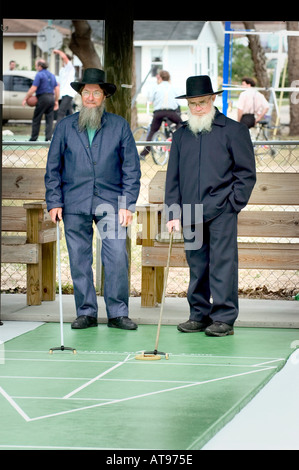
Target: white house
20, 44
183, 48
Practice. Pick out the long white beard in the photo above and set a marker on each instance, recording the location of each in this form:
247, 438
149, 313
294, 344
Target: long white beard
201, 123
90, 117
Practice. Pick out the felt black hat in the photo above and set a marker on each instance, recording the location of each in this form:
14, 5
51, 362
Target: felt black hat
95, 76
200, 85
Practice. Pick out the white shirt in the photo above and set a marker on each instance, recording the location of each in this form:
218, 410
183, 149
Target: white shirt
66, 76
163, 96
252, 101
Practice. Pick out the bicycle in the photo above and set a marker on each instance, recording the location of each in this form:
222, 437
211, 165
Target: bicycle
263, 128
160, 153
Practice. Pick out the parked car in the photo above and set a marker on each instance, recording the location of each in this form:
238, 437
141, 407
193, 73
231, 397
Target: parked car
16, 85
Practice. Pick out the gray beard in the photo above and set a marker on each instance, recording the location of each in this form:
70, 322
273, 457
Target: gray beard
91, 117
201, 123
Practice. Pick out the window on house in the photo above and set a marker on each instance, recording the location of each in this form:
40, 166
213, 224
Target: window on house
156, 61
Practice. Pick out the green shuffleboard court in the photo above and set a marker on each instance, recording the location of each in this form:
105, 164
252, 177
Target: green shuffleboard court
103, 398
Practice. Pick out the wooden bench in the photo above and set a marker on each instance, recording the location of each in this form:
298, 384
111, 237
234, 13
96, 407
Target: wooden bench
271, 189
36, 247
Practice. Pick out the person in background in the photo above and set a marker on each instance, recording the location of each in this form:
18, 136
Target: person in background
67, 93
165, 106
252, 105
12, 65
46, 89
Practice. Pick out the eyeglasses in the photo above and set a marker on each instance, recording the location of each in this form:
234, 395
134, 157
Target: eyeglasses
95, 94
202, 103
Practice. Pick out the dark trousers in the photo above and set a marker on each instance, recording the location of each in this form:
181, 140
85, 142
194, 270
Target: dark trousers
79, 235
158, 117
45, 106
65, 107
213, 286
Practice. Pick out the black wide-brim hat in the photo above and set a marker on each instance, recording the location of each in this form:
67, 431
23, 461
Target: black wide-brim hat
93, 76
200, 85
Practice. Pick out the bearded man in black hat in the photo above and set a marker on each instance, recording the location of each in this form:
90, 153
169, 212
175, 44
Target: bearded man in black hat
93, 176
211, 166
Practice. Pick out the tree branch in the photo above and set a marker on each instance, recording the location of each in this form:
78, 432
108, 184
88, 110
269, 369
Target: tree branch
82, 46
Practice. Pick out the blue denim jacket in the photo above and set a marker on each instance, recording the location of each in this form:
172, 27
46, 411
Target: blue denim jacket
108, 170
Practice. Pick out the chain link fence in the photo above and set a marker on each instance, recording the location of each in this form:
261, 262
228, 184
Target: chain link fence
271, 156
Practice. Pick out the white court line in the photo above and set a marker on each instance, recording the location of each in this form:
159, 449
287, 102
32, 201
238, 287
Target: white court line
258, 364
14, 405
170, 363
96, 378
121, 400
133, 353
109, 402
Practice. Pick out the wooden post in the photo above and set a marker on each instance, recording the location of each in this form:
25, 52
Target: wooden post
152, 277
42, 231
34, 271
49, 271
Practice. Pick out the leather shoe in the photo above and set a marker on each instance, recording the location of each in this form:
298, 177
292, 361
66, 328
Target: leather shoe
219, 328
123, 323
84, 321
192, 326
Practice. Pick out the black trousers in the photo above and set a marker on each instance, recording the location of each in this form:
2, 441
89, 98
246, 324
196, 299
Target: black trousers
158, 118
172, 115
65, 108
213, 286
45, 106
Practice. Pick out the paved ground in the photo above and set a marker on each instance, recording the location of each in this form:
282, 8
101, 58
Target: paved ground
253, 313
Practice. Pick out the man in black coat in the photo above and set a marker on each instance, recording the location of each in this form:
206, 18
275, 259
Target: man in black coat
210, 177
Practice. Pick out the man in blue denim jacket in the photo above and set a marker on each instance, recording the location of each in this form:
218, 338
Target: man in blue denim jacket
93, 175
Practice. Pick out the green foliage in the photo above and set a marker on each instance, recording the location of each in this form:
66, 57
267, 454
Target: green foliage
242, 63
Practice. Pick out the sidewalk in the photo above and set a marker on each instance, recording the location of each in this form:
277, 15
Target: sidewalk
253, 313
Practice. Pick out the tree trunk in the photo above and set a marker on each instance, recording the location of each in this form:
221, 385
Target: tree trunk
119, 69
258, 57
82, 46
293, 67
119, 60
134, 114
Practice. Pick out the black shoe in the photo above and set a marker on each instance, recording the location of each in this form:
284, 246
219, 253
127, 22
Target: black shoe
144, 153
123, 323
192, 326
219, 329
84, 321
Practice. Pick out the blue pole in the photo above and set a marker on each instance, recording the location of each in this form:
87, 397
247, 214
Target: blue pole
226, 67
